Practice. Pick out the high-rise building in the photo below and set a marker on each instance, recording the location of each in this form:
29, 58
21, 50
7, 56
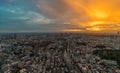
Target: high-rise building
119, 40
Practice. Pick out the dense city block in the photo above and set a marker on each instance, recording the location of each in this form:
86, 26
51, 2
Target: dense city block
59, 53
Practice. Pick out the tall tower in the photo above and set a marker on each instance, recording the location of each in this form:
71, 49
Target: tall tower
118, 40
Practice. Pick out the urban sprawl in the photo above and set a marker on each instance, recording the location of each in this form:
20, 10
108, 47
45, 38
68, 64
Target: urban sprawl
56, 53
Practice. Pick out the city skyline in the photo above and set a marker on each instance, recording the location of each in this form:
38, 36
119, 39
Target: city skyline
101, 16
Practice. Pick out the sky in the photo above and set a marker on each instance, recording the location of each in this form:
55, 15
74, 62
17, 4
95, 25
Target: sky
59, 16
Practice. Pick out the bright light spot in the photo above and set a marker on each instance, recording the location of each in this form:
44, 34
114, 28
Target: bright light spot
72, 30
94, 29
66, 23
96, 23
100, 14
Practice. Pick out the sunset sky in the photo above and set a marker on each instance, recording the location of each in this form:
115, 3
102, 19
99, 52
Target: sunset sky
60, 16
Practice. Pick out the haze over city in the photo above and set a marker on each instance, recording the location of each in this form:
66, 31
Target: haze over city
60, 16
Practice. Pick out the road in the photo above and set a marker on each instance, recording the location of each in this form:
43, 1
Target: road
69, 57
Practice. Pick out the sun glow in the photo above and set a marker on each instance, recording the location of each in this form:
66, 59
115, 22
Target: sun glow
96, 23
99, 13
89, 15
94, 29
99, 17
72, 30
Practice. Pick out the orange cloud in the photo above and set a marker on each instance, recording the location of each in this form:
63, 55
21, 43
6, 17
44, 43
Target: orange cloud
95, 15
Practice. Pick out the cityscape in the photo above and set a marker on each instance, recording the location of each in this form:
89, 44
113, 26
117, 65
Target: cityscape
57, 53
59, 36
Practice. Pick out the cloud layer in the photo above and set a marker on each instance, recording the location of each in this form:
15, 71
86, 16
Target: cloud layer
60, 15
